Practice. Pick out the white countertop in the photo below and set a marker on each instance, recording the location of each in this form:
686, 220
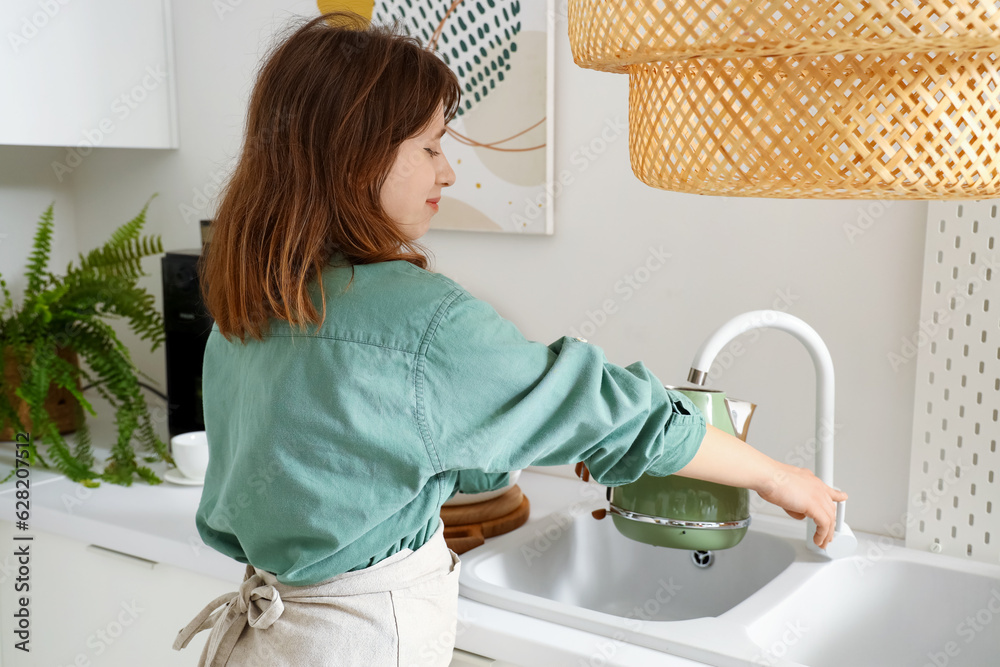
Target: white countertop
157, 523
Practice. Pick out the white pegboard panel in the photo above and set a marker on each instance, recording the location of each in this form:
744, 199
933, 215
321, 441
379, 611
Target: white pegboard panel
954, 499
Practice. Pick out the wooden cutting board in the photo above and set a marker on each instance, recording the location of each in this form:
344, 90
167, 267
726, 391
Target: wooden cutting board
468, 526
505, 503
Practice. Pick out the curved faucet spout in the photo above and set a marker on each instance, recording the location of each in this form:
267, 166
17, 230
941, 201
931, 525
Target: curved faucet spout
774, 319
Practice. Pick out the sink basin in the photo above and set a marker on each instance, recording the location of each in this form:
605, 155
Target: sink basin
588, 564
767, 601
895, 612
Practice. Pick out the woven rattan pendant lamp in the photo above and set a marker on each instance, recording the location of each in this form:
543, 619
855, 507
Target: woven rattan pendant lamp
860, 99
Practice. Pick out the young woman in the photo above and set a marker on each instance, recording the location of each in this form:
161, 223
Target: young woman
349, 391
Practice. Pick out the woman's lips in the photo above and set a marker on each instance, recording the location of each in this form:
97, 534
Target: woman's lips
432, 204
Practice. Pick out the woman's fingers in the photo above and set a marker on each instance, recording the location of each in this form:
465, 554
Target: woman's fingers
831, 526
832, 510
837, 496
821, 537
825, 516
826, 521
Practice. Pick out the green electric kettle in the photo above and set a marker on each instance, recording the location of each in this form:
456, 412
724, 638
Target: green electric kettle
684, 513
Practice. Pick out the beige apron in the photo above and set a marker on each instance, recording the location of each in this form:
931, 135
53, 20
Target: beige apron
400, 612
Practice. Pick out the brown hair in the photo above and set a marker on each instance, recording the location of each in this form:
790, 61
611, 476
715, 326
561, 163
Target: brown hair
330, 107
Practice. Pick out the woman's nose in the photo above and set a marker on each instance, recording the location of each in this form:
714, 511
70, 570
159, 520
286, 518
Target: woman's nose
447, 175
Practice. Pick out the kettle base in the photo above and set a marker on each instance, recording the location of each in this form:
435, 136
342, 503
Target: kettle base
689, 539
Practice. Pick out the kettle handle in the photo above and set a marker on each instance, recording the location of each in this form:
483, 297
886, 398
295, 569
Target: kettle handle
740, 413
584, 474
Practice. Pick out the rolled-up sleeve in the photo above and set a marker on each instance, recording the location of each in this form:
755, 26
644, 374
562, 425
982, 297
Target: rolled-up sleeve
491, 400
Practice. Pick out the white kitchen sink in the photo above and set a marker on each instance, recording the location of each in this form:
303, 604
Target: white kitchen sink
767, 601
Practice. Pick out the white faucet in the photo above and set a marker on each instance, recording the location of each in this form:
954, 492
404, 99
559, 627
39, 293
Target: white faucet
844, 542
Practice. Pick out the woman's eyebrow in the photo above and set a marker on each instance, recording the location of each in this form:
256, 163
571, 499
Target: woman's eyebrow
442, 133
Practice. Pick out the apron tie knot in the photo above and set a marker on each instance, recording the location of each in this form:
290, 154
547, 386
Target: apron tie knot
253, 604
261, 604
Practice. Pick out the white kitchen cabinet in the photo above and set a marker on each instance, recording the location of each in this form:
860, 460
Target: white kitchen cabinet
91, 607
87, 74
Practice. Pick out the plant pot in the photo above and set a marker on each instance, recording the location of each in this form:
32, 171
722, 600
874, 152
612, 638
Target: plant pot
60, 403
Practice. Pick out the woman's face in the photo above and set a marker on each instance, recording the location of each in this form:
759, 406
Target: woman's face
416, 179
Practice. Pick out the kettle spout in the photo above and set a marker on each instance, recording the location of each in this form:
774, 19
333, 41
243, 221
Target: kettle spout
740, 412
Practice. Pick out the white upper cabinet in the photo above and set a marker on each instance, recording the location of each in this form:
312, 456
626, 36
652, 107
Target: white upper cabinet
87, 73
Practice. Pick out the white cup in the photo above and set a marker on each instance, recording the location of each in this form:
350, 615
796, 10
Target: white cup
190, 452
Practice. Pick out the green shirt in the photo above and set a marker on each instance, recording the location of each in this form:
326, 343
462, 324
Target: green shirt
331, 451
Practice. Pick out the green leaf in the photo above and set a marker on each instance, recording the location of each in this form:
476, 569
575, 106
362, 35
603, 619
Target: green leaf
120, 255
39, 257
8, 302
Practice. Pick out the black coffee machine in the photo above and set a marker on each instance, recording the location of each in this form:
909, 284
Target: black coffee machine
187, 325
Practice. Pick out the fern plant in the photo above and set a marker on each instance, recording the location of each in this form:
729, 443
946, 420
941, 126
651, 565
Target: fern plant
70, 311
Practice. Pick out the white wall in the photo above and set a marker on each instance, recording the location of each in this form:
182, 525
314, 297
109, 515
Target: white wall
727, 255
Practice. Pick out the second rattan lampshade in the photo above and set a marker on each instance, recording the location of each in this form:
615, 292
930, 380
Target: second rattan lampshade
799, 109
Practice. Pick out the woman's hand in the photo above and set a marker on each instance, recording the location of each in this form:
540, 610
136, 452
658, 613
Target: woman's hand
801, 494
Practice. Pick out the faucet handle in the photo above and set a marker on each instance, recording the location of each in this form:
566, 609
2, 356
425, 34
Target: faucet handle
841, 510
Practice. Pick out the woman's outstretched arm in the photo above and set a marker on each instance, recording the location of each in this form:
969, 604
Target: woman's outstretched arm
725, 459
